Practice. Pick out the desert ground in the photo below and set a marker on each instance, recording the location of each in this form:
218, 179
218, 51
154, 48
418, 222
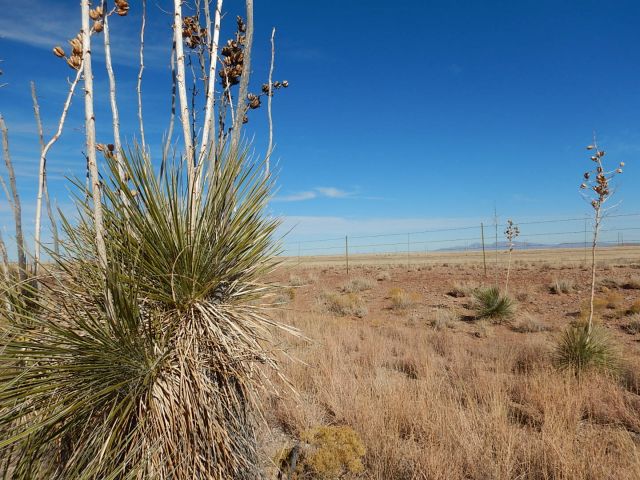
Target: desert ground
395, 361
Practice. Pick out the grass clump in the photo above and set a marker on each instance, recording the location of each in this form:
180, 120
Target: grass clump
494, 305
633, 325
442, 319
561, 285
581, 348
359, 284
632, 284
462, 289
343, 304
401, 299
297, 280
529, 324
382, 276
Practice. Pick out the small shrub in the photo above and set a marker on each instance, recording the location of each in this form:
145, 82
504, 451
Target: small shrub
344, 305
327, 452
358, 285
286, 296
400, 299
578, 350
529, 324
561, 285
492, 304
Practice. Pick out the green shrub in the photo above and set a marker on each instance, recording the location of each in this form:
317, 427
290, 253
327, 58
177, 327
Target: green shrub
492, 304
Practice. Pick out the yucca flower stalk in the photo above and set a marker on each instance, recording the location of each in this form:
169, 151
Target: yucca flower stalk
511, 233
163, 383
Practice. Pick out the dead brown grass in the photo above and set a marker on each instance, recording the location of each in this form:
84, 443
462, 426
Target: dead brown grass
434, 395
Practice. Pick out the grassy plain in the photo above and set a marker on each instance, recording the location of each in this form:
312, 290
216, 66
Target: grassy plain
434, 393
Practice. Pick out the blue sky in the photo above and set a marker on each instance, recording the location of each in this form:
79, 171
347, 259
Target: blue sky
401, 115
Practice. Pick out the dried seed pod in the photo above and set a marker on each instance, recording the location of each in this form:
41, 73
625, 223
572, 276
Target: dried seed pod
95, 13
101, 147
98, 27
59, 52
111, 147
245, 119
590, 147
74, 61
76, 45
265, 88
285, 83
622, 164
241, 25
583, 186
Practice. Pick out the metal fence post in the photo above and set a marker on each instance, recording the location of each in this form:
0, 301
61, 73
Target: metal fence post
346, 251
484, 255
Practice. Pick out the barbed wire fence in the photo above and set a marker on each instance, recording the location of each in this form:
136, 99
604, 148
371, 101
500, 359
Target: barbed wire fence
483, 241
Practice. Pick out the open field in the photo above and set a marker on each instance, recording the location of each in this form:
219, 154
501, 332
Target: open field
396, 354
556, 255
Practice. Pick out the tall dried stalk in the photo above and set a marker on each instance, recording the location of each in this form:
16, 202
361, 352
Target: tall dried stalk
182, 96
42, 173
511, 233
90, 133
208, 125
597, 181
241, 104
112, 93
172, 115
16, 206
139, 85
269, 98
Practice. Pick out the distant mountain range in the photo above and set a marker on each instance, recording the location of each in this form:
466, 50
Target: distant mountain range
529, 246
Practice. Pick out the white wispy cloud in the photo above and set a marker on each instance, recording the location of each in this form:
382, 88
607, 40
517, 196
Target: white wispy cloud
44, 24
317, 192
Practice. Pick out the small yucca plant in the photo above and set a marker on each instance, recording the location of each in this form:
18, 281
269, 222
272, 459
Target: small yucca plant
493, 304
150, 368
581, 348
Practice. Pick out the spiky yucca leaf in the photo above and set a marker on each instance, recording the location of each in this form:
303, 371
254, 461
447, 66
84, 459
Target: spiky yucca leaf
147, 370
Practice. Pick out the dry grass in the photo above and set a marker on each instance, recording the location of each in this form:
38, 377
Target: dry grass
434, 404
359, 284
343, 304
561, 285
401, 299
528, 323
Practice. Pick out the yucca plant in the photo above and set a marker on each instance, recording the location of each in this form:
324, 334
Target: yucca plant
493, 304
147, 369
581, 348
